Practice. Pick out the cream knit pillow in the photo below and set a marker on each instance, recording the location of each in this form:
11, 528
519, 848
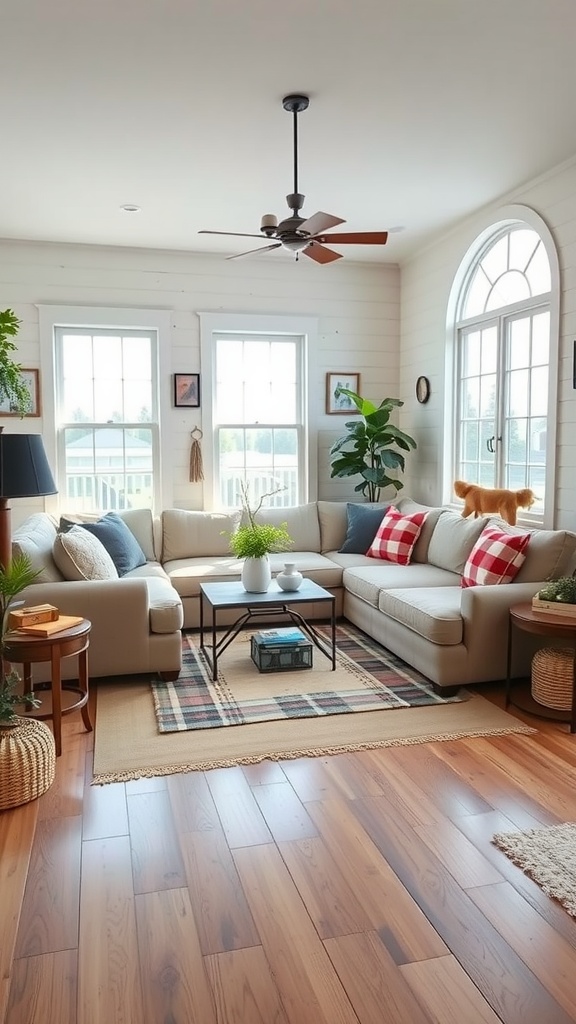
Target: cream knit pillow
81, 556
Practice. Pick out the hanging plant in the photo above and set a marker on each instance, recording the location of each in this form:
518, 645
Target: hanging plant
13, 388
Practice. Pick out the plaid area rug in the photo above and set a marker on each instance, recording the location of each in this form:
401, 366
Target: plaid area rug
367, 678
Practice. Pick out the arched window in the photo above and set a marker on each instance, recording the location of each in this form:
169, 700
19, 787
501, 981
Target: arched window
505, 355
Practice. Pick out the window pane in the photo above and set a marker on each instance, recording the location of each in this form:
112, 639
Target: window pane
511, 287
540, 339
517, 447
470, 350
538, 272
518, 393
488, 395
489, 350
523, 244
495, 262
539, 391
477, 294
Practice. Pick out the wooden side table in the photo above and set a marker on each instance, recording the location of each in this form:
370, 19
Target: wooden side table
28, 650
527, 619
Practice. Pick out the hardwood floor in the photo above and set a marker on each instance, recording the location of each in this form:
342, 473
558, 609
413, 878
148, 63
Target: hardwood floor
356, 889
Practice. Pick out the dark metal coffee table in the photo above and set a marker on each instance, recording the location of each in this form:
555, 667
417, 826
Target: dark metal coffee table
215, 597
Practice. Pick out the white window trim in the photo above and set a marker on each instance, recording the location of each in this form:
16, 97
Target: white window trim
507, 216
259, 323
157, 320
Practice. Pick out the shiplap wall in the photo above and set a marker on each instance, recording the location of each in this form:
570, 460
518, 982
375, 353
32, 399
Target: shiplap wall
357, 305
426, 283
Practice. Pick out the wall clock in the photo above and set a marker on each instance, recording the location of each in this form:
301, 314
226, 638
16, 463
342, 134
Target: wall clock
422, 389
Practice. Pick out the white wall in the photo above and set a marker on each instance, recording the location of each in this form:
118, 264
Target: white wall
426, 283
358, 306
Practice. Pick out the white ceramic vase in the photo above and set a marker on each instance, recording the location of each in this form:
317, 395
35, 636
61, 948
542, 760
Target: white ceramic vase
256, 575
289, 578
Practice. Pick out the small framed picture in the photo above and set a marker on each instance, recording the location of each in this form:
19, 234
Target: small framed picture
337, 404
187, 390
31, 379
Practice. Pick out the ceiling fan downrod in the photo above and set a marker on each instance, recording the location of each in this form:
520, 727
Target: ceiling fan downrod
295, 103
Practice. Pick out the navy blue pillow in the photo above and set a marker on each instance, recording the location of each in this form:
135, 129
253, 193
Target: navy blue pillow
363, 523
119, 541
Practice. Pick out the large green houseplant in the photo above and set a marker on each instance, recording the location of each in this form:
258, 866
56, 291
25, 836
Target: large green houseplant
12, 385
370, 448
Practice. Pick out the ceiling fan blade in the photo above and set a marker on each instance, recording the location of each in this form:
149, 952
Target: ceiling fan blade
355, 237
263, 248
320, 222
237, 234
320, 253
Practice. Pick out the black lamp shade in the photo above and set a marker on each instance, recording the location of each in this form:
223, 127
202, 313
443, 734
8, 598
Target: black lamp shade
24, 469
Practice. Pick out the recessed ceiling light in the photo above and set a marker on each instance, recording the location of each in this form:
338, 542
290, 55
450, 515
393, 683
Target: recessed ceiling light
130, 208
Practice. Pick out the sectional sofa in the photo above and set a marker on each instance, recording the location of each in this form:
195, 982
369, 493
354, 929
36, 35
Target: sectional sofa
454, 635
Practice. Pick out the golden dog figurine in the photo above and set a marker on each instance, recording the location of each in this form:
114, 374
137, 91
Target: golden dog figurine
482, 500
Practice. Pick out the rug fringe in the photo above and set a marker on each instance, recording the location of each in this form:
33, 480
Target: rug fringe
291, 755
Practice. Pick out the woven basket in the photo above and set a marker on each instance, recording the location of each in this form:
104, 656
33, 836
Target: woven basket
27, 762
552, 677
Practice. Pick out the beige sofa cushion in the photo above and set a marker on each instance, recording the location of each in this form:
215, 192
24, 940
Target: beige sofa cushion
549, 554
188, 534
332, 517
367, 582
434, 612
408, 506
139, 521
81, 556
452, 541
302, 521
35, 539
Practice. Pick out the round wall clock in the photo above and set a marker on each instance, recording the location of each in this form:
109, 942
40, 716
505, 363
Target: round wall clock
422, 389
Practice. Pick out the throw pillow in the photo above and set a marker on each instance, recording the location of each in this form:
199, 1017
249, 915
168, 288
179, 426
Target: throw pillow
495, 558
362, 523
119, 541
80, 556
396, 536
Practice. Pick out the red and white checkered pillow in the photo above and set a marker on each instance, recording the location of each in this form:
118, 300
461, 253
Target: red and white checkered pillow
396, 537
495, 558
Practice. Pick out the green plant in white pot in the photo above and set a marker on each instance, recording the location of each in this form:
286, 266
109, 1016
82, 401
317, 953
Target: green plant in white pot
254, 541
12, 385
370, 448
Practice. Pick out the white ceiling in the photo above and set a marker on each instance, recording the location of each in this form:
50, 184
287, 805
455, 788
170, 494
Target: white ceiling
420, 112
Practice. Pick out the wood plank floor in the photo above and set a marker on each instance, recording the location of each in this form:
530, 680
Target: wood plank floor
356, 889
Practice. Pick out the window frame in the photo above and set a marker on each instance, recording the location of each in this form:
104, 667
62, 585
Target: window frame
305, 330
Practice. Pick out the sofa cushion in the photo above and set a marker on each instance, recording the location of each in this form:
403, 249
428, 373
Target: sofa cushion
549, 555
119, 541
139, 521
362, 526
433, 612
188, 534
186, 574
407, 506
369, 580
302, 524
332, 521
35, 539
81, 556
452, 540
495, 558
396, 536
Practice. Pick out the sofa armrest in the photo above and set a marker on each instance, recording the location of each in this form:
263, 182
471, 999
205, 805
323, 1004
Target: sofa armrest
486, 619
114, 607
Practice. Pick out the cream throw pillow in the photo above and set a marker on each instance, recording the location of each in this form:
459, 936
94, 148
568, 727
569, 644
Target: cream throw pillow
81, 556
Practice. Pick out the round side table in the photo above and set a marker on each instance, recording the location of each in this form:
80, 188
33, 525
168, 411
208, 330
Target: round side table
525, 618
26, 650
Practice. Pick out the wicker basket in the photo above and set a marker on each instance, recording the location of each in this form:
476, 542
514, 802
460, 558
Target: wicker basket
27, 762
552, 677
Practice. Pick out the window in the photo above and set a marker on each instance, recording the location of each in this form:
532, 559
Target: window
107, 419
257, 409
504, 410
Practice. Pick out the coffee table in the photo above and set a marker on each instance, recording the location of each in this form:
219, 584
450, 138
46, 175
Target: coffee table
215, 597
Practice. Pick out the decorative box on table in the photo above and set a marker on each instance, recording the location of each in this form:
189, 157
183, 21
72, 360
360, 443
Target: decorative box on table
281, 650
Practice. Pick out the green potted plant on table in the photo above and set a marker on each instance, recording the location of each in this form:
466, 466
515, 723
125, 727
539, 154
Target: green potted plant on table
12, 384
558, 597
254, 541
370, 448
27, 752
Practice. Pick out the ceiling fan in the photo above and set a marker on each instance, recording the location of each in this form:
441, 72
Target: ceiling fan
301, 234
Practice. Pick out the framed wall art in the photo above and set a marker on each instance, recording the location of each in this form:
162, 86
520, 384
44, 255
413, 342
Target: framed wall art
31, 379
341, 404
187, 390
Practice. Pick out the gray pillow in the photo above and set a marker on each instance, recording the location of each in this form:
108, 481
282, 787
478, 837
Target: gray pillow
363, 523
119, 541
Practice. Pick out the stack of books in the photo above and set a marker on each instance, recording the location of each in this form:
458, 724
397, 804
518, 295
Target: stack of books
275, 637
277, 650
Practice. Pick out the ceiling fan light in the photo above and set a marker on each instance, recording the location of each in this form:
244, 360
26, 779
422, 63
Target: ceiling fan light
295, 244
268, 224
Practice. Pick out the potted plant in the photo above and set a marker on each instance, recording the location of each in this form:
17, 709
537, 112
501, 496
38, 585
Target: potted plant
13, 579
254, 541
370, 448
12, 385
558, 597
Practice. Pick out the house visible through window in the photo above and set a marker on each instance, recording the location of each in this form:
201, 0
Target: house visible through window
503, 350
106, 416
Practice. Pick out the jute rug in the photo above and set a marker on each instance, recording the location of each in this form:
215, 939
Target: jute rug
548, 855
129, 746
367, 678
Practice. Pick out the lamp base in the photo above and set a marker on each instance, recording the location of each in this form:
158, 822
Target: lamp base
5, 533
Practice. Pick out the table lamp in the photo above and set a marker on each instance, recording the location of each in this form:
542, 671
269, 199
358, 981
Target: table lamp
24, 473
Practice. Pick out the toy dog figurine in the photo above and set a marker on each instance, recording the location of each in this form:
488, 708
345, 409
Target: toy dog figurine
482, 500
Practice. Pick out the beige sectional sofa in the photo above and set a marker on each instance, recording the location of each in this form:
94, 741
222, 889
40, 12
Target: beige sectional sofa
453, 635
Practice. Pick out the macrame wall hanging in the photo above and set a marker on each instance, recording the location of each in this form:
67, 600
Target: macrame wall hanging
196, 467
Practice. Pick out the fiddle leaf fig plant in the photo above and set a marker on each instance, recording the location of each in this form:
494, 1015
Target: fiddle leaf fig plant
12, 385
13, 579
370, 448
